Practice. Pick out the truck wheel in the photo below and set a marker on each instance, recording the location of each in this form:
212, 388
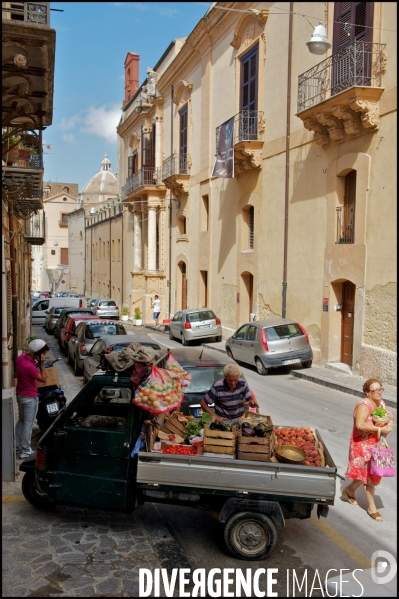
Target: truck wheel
32, 493
170, 335
260, 368
250, 536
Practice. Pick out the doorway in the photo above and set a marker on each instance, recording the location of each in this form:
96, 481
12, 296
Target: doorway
347, 322
246, 296
183, 285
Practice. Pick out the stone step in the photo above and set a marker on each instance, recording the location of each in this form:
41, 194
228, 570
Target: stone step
339, 367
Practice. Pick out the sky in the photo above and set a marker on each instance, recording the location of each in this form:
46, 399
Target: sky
92, 40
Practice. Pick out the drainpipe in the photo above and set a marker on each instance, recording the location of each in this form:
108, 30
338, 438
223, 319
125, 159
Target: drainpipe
287, 165
13, 283
4, 331
91, 259
170, 207
122, 256
110, 219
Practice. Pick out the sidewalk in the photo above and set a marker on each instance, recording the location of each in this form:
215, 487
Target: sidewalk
346, 383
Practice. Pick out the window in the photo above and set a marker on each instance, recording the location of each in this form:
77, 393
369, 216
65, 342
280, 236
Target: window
251, 335
132, 164
205, 213
181, 225
249, 80
53, 252
119, 249
148, 151
241, 332
64, 256
66, 189
183, 140
113, 249
248, 218
64, 219
64, 199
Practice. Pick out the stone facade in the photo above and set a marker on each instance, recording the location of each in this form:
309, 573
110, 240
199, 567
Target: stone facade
234, 246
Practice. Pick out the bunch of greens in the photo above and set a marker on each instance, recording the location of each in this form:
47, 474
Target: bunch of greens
379, 412
194, 427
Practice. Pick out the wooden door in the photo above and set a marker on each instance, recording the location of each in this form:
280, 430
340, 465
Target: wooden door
183, 287
348, 319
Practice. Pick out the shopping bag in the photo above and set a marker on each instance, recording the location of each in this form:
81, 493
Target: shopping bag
382, 459
159, 393
173, 366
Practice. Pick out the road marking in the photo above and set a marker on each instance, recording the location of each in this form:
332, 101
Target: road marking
346, 546
8, 498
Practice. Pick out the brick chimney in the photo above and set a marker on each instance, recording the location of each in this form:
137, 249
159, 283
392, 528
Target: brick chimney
131, 75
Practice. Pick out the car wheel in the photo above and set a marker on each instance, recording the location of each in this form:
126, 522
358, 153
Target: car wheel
170, 335
307, 364
260, 368
250, 536
50, 331
184, 340
68, 355
32, 494
76, 368
218, 338
61, 346
84, 377
229, 353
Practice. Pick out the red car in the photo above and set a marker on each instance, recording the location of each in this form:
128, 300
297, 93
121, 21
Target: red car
70, 326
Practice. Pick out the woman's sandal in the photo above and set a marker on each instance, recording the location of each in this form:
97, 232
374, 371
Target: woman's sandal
349, 498
376, 516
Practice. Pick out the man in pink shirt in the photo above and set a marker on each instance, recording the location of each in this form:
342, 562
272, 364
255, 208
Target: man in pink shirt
27, 375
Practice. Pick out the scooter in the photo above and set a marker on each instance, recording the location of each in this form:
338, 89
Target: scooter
52, 401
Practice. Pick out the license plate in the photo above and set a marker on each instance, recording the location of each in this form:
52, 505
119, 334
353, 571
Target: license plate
293, 361
197, 412
204, 326
52, 407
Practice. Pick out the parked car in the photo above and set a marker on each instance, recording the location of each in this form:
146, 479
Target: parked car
69, 329
91, 301
52, 318
189, 325
64, 315
85, 336
204, 370
41, 308
271, 343
116, 343
105, 307
36, 295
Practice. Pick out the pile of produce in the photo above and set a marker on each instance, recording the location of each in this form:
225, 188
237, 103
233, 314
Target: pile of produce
262, 429
180, 450
173, 366
194, 427
160, 392
380, 417
226, 425
300, 437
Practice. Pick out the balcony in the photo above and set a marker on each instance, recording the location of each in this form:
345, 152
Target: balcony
339, 97
345, 224
35, 230
31, 13
249, 126
176, 173
146, 179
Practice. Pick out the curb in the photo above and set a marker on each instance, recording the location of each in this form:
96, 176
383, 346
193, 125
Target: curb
336, 386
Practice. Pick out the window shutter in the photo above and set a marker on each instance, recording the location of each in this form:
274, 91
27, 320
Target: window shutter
251, 228
146, 150
183, 140
9, 304
249, 80
353, 21
130, 166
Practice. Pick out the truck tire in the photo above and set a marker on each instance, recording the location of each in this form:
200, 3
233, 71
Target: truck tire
250, 536
32, 493
260, 368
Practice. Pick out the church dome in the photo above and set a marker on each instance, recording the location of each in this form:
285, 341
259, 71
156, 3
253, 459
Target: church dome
102, 187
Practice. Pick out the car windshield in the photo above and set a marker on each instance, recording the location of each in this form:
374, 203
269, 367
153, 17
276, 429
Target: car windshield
99, 330
200, 315
202, 379
283, 331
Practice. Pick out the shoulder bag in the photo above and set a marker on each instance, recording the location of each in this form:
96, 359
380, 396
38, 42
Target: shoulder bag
382, 459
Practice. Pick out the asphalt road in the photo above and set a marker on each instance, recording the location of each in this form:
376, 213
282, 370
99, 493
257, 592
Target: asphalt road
345, 540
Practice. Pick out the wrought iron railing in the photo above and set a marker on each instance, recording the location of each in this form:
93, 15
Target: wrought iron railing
33, 13
360, 64
176, 164
35, 227
145, 176
345, 224
248, 126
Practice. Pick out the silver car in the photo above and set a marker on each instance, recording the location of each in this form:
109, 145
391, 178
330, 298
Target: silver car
201, 323
52, 319
85, 336
270, 343
105, 307
116, 343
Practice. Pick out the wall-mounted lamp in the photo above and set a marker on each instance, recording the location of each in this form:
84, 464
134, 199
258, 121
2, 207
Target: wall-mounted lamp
55, 243
318, 42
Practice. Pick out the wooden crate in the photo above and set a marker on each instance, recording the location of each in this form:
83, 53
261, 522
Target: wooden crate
173, 425
220, 441
259, 449
254, 419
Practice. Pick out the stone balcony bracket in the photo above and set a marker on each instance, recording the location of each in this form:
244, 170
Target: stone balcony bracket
343, 116
178, 184
247, 156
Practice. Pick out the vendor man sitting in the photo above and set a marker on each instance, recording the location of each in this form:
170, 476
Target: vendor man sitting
230, 395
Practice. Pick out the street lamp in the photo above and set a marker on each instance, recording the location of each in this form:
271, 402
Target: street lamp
318, 42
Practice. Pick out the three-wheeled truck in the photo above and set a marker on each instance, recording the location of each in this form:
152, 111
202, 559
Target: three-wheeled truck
84, 459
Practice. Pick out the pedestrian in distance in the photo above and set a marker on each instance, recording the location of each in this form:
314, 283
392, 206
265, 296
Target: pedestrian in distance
156, 304
365, 434
27, 377
230, 395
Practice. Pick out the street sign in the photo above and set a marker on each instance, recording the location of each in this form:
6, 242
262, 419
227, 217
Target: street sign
63, 282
